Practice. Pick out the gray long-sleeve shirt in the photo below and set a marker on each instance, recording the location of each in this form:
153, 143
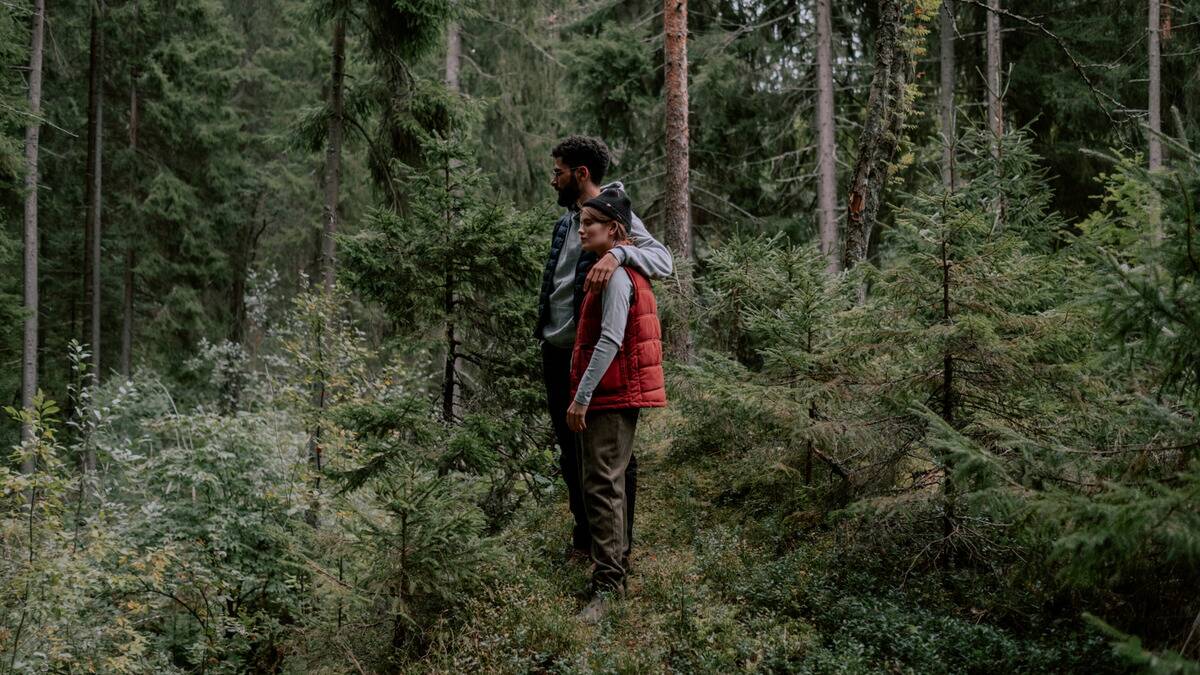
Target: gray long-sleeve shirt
618, 295
646, 255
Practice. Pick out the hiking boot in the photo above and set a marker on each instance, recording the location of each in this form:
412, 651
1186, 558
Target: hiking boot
598, 608
573, 555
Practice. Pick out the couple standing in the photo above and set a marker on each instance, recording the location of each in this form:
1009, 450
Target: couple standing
601, 354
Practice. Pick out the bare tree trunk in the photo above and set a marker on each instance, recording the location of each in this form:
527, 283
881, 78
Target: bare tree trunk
29, 357
450, 375
677, 198
130, 254
995, 110
95, 175
946, 96
995, 99
949, 521
333, 154
127, 313
827, 153
453, 56
327, 265
450, 390
1155, 94
880, 134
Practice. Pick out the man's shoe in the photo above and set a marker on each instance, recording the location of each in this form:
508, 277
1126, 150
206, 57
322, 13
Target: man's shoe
596, 610
576, 555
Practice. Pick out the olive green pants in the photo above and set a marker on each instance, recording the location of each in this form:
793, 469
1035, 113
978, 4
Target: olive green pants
605, 448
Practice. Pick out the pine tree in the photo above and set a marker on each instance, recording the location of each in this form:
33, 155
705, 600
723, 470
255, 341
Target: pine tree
458, 272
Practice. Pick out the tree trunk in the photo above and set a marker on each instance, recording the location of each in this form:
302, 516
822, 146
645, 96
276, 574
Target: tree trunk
92, 234
995, 110
453, 56
949, 523
127, 313
827, 153
29, 357
333, 154
450, 374
1155, 94
130, 254
995, 99
946, 96
880, 134
677, 199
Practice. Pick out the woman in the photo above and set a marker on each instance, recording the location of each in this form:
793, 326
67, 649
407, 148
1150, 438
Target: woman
616, 370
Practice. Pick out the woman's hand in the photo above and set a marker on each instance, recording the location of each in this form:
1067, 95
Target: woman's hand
577, 417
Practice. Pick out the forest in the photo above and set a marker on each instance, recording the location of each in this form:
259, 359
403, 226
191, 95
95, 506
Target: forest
272, 371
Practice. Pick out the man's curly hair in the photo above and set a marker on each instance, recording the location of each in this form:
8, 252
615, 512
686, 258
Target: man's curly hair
576, 151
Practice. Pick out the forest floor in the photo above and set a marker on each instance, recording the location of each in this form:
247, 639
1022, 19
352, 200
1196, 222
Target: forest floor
715, 588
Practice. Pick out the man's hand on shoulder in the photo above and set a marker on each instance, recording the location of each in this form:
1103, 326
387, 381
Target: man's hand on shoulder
600, 273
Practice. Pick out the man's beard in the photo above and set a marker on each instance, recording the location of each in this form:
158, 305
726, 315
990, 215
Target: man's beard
568, 195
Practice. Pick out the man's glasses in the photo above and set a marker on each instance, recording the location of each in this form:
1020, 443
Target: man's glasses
558, 173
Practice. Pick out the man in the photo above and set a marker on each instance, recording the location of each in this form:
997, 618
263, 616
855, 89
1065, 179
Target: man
580, 164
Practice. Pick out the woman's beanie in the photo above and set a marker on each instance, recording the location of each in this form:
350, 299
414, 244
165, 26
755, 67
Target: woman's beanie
613, 203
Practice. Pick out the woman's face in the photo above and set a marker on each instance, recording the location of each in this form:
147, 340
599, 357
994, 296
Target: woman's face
597, 232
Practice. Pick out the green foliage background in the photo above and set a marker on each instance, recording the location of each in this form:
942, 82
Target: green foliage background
977, 454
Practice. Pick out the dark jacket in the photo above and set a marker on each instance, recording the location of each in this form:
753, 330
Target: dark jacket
586, 260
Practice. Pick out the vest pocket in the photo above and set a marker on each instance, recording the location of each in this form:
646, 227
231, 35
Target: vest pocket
615, 378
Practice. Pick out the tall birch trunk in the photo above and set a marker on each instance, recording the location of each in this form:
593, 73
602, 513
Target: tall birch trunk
827, 149
95, 175
29, 356
677, 199
946, 95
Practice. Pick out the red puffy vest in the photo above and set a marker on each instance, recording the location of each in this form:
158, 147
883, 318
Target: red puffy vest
635, 377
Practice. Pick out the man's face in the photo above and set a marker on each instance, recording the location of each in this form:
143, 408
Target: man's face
565, 181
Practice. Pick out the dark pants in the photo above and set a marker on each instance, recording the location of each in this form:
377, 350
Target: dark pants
556, 371
607, 445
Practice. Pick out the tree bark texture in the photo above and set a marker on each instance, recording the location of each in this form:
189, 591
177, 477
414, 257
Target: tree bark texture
949, 520
127, 295
1155, 93
995, 100
995, 109
453, 56
677, 197
880, 134
450, 391
95, 174
333, 153
29, 356
826, 143
946, 95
